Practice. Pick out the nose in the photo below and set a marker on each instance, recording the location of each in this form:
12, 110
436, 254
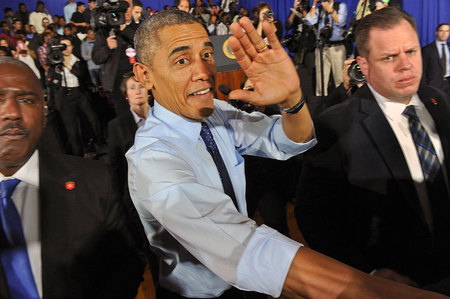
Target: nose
10, 110
404, 62
201, 70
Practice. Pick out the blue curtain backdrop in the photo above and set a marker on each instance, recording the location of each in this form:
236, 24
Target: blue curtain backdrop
428, 13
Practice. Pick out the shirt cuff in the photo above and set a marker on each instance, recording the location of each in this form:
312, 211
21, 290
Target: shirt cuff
266, 261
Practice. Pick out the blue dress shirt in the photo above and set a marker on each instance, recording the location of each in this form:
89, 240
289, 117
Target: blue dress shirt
204, 243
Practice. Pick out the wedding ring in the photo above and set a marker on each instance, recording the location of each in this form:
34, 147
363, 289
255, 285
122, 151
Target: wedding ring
262, 49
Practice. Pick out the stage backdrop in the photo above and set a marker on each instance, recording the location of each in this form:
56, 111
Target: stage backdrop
428, 13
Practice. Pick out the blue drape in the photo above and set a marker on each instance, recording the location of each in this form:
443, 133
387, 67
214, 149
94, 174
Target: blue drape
428, 13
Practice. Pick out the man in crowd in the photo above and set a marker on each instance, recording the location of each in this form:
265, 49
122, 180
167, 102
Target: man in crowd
374, 193
436, 60
69, 9
37, 16
63, 233
331, 17
111, 52
79, 19
22, 13
186, 172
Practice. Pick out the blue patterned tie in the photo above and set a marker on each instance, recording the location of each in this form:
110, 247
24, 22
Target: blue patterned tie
211, 145
13, 250
427, 155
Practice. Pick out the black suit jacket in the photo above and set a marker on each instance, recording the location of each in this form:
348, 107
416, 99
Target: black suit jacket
357, 201
121, 131
87, 249
433, 68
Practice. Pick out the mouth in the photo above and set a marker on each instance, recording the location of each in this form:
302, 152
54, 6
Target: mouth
202, 93
13, 134
406, 81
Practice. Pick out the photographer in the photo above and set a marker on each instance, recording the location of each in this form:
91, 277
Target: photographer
68, 75
266, 15
301, 42
114, 39
330, 18
223, 24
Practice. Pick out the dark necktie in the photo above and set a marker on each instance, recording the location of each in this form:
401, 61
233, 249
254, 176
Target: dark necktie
211, 145
444, 60
427, 155
14, 255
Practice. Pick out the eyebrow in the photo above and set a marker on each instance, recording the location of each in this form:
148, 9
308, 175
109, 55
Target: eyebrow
183, 48
21, 92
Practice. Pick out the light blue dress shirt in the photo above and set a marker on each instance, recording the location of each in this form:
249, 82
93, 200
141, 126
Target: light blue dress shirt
338, 28
204, 243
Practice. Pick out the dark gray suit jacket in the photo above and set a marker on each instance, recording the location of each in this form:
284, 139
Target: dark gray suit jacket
357, 201
433, 68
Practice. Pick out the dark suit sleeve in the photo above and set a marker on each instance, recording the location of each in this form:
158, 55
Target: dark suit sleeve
101, 52
323, 213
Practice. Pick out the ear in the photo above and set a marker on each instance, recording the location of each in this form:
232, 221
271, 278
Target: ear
143, 74
363, 64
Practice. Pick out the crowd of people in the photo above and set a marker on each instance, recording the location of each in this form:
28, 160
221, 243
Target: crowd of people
364, 158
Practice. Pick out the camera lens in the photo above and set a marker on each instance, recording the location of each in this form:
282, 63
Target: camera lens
355, 73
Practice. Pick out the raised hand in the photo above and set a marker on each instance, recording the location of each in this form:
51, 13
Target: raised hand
270, 68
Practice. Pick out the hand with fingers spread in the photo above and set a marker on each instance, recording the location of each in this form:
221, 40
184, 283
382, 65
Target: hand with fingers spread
273, 75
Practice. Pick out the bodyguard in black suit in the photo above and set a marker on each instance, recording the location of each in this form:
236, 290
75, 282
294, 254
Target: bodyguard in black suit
364, 199
436, 60
85, 246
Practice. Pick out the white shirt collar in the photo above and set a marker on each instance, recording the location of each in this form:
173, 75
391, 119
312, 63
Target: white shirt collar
29, 172
392, 109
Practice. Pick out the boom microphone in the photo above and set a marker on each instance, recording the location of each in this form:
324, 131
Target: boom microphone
225, 89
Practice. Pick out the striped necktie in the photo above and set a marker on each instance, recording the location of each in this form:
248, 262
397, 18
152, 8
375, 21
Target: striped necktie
425, 149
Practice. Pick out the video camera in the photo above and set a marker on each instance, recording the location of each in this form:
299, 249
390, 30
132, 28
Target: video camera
110, 14
54, 52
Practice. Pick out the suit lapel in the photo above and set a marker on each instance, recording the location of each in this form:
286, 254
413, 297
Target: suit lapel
386, 144
56, 198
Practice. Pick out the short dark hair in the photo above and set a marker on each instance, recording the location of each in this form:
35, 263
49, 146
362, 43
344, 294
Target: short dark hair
137, 3
442, 24
147, 39
386, 18
80, 3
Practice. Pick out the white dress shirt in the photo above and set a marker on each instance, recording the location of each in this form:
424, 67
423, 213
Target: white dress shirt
26, 199
70, 80
400, 125
206, 244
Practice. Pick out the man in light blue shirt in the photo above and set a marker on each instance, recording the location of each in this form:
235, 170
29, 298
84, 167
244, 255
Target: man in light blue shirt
332, 15
69, 9
207, 246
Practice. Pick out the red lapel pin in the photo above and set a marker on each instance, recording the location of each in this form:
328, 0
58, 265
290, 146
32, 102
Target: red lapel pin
70, 185
433, 101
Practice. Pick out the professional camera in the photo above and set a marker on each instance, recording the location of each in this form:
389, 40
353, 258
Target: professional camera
110, 13
349, 33
325, 33
269, 14
54, 52
356, 76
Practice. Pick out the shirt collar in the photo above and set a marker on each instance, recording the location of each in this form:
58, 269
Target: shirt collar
29, 172
189, 128
394, 110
